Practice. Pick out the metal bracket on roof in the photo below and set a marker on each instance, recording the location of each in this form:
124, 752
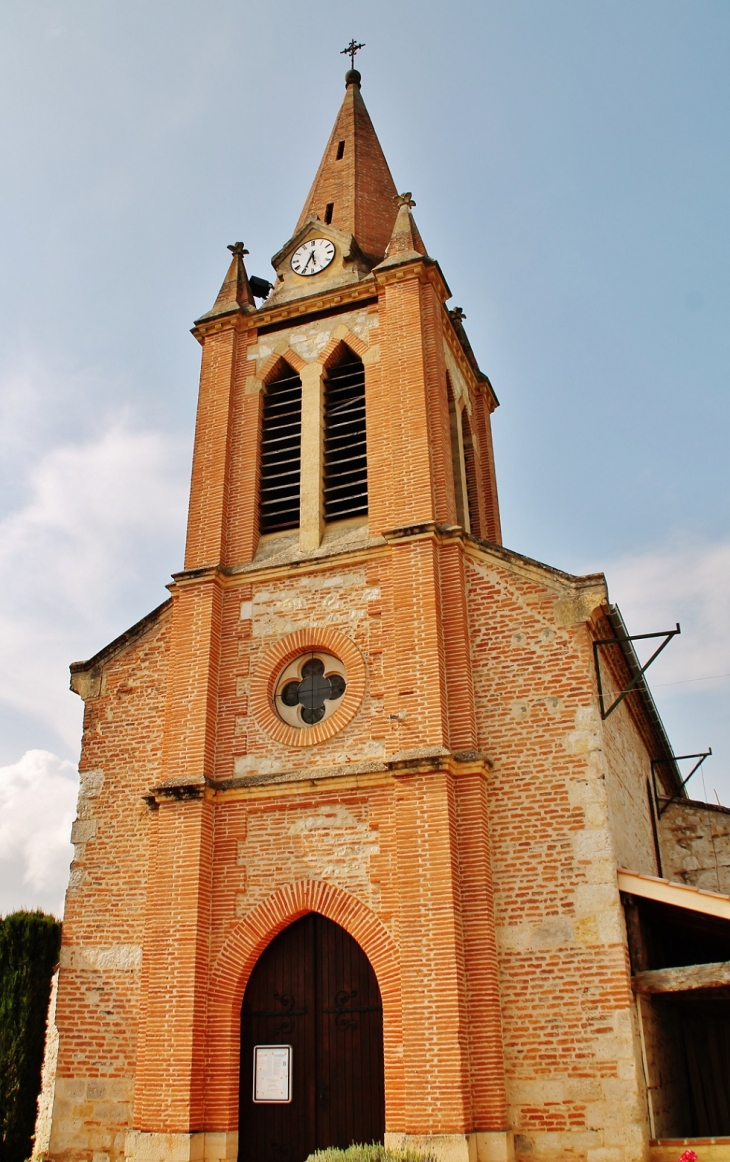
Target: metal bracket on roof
667, 634
675, 758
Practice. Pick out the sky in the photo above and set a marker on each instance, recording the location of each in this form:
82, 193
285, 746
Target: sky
570, 164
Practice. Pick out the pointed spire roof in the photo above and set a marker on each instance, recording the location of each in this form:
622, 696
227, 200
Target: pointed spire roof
235, 293
353, 188
405, 241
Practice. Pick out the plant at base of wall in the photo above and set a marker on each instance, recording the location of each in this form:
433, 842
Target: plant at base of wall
688, 1156
371, 1153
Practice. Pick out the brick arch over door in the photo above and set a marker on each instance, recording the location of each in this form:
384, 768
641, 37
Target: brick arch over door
235, 964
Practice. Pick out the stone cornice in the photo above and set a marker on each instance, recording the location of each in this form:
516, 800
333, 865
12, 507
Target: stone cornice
232, 578
563, 583
236, 320
182, 789
476, 547
536, 570
296, 310
354, 776
425, 268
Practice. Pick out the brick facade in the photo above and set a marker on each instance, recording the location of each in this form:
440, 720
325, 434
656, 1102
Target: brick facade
463, 818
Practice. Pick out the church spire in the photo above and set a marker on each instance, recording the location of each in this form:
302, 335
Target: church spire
353, 189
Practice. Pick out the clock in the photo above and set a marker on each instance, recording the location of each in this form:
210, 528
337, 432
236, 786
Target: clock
312, 256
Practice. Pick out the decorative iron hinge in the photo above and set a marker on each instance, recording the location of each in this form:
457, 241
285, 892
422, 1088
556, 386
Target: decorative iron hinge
344, 1010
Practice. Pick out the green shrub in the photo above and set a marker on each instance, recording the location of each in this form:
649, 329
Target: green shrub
29, 944
372, 1153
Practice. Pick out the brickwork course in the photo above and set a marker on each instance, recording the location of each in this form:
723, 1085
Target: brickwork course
462, 814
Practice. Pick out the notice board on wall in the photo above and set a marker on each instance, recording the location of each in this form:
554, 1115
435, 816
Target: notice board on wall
272, 1073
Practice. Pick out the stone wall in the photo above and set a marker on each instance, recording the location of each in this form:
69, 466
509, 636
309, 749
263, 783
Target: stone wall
97, 1008
627, 773
558, 794
695, 844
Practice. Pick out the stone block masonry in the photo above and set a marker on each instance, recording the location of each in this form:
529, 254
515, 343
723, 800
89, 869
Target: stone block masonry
695, 844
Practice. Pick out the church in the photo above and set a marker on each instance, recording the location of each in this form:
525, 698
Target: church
380, 836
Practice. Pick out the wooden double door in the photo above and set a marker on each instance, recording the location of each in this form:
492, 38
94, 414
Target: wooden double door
314, 989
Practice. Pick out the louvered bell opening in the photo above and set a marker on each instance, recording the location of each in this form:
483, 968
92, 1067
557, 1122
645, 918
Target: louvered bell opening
345, 453
281, 454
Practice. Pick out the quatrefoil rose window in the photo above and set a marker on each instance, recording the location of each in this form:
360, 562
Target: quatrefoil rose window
309, 689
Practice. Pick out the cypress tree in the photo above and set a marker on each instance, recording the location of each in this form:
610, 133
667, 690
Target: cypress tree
29, 946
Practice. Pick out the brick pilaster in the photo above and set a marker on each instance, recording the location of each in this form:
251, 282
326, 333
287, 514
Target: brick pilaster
241, 532
169, 1095
439, 423
193, 681
454, 619
169, 1091
407, 451
418, 646
484, 1024
208, 487
434, 1014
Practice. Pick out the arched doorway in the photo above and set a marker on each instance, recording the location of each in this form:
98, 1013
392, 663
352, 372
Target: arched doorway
314, 989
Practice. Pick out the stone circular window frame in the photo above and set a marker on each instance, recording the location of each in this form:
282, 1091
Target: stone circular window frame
269, 666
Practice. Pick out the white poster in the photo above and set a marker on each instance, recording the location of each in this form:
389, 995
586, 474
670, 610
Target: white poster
272, 1073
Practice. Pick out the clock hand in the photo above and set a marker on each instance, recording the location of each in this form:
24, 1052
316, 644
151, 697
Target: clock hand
311, 256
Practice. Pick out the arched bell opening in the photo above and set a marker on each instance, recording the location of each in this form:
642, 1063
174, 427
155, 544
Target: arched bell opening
458, 465
312, 1065
345, 440
281, 451
470, 471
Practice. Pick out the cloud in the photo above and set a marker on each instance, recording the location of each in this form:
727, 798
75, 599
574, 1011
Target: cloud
37, 807
93, 521
85, 554
41, 409
690, 680
689, 584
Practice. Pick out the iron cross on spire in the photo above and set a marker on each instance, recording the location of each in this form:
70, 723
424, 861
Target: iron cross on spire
352, 48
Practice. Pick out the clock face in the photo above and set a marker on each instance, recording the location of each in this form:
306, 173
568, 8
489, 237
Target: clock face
312, 256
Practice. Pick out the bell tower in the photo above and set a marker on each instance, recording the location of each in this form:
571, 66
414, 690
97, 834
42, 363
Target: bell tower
354, 282
319, 669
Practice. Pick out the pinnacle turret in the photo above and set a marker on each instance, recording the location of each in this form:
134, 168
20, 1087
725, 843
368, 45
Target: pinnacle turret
405, 241
235, 293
